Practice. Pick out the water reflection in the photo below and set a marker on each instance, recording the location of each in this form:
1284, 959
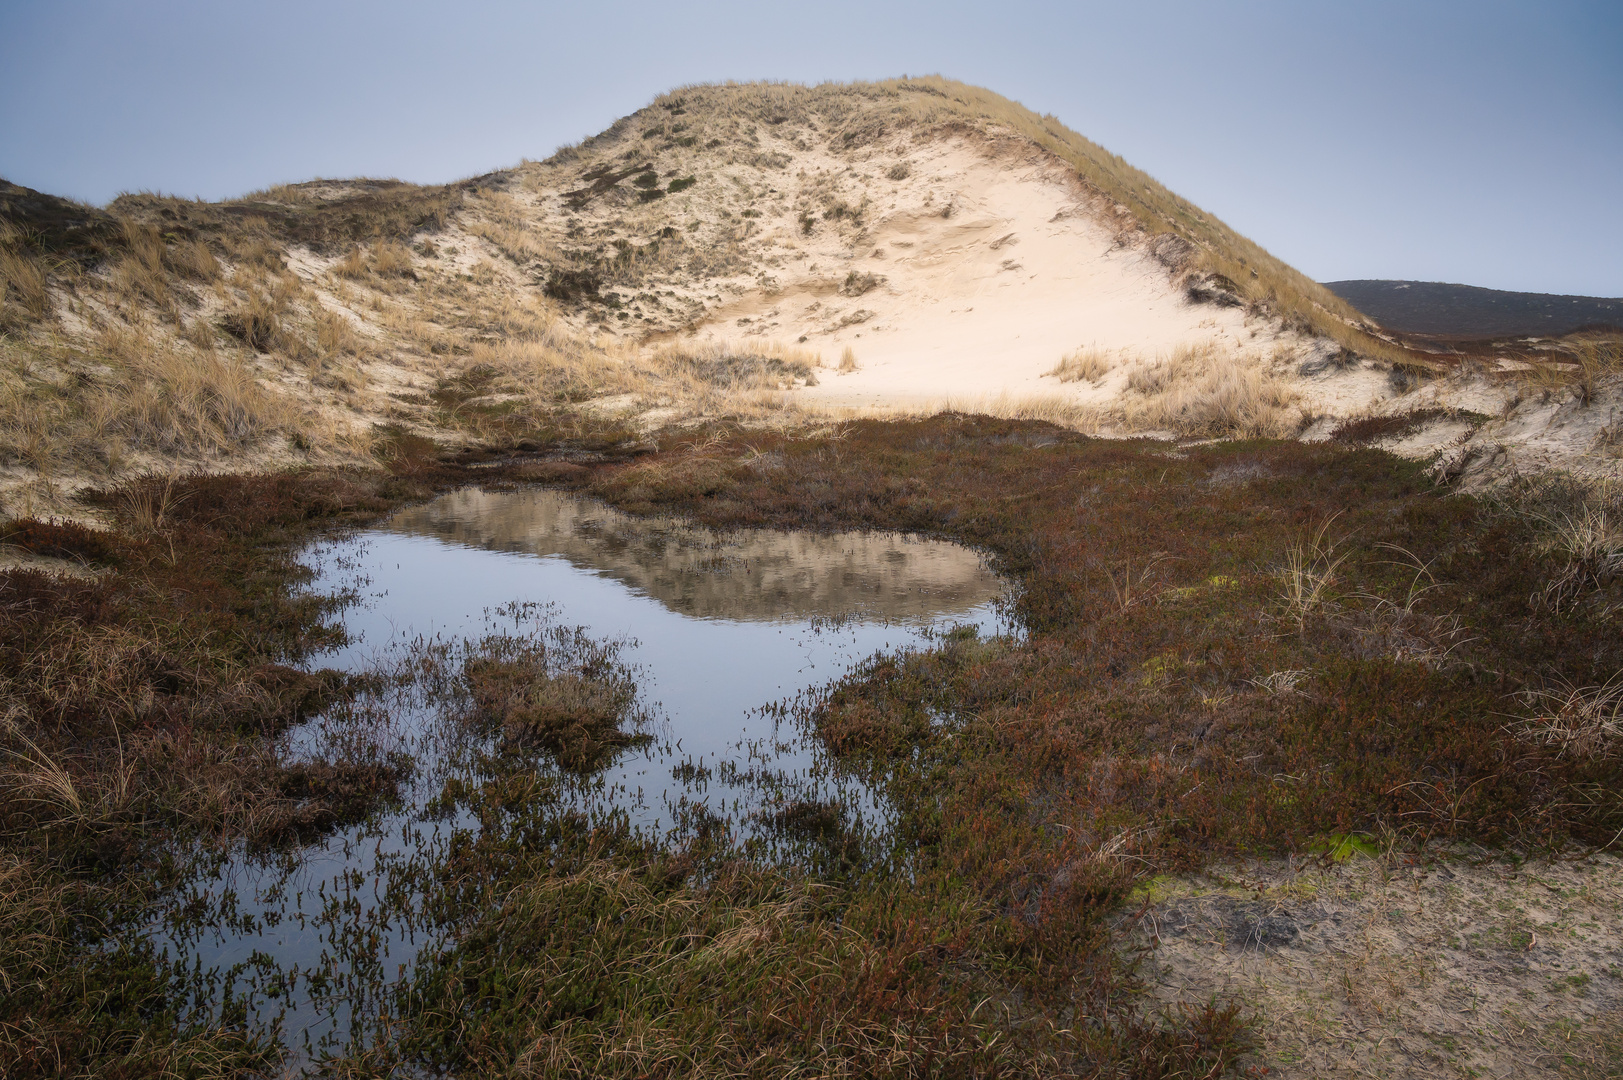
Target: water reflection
760, 575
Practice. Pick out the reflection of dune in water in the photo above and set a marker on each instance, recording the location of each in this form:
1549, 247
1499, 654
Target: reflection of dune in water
755, 575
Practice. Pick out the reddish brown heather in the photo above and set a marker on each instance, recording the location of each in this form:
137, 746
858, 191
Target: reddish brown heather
1242, 647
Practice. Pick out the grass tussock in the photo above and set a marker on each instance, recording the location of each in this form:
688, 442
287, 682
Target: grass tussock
1584, 721
381, 265
1579, 523
565, 694
1202, 391
24, 283
1310, 574
1085, 365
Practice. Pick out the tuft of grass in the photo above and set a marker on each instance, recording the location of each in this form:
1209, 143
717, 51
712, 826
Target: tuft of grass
1130, 587
24, 285
148, 502
352, 266
1580, 524
1202, 391
1582, 721
1598, 358
1590, 543
335, 336
1310, 574
567, 695
196, 260
391, 259
1084, 365
848, 360
256, 321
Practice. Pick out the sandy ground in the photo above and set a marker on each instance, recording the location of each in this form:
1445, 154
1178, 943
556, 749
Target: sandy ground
1453, 966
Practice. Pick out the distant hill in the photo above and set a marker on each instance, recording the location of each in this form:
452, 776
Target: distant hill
1434, 307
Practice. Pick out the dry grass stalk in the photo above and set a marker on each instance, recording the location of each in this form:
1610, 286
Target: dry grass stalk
1310, 573
39, 776
22, 284
1578, 521
335, 335
1130, 587
1584, 721
148, 504
352, 266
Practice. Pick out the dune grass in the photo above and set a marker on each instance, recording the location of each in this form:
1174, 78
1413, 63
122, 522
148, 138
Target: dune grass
1206, 392
1085, 365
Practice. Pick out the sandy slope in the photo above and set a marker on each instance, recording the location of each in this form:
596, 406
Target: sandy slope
994, 268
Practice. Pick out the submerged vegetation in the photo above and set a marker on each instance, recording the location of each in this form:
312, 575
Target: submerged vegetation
1242, 648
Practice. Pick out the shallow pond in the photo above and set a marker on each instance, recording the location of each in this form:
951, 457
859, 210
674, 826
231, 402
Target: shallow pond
715, 631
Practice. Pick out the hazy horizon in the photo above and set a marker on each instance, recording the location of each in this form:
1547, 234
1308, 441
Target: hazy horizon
1474, 144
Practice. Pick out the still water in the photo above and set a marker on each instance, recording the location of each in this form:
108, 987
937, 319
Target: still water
715, 629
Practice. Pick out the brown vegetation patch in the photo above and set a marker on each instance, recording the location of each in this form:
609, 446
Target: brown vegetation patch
53, 226
326, 215
576, 716
1369, 429
60, 539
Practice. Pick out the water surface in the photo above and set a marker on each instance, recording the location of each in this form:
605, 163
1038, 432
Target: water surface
716, 628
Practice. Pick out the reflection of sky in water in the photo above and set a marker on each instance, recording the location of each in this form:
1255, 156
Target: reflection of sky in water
748, 575
706, 675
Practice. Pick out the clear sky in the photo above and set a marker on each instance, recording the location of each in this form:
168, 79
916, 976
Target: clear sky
1477, 142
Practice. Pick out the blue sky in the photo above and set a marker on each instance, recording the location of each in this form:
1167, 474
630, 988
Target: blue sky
1473, 142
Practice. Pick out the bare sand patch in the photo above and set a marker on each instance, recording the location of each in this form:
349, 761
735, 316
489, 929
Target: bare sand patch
1463, 965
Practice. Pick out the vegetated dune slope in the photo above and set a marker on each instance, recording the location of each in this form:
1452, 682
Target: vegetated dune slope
766, 253
958, 247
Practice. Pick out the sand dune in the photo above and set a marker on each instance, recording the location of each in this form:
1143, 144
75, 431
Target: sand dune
989, 271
